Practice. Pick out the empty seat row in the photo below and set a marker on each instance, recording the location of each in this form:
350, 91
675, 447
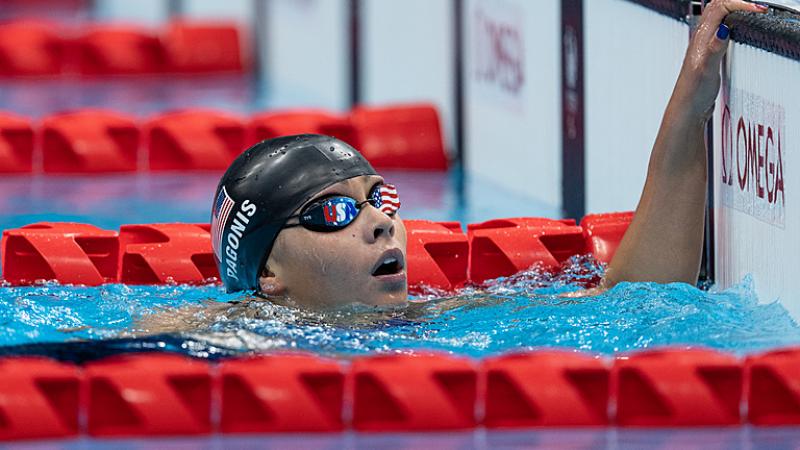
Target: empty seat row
30, 48
440, 255
162, 394
95, 141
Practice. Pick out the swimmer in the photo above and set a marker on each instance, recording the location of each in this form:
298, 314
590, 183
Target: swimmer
305, 221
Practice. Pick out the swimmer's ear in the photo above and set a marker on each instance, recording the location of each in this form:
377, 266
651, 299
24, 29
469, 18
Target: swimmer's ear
269, 283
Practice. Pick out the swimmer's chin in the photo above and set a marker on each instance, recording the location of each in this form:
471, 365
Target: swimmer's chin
384, 302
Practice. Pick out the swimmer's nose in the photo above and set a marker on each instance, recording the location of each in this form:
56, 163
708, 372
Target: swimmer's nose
381, 225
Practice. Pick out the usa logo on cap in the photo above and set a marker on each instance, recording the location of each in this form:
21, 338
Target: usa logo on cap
219, 216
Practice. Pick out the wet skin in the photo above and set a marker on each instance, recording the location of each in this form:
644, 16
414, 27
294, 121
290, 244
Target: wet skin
315, 269
665, 239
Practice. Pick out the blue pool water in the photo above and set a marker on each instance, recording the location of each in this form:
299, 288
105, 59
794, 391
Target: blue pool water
509, 314
736, 438
524, 311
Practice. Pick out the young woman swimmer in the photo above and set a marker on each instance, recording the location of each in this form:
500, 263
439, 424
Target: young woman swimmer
306, 221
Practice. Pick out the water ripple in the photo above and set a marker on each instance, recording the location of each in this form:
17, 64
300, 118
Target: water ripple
524, 311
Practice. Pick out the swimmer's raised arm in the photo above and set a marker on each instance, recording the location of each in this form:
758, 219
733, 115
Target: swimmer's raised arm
664, 241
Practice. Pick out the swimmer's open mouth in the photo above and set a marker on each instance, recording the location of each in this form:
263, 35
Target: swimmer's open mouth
390, 263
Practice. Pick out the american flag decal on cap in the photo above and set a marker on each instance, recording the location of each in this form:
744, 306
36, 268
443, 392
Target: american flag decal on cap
219, 216
389, 200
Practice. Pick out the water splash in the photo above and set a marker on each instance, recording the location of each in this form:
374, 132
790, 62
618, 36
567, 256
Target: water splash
525, 311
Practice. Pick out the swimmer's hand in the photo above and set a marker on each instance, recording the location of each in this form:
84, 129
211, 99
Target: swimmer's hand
664, 242
699, 78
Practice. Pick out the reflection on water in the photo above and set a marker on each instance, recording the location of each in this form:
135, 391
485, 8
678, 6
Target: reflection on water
138, 95
736, 438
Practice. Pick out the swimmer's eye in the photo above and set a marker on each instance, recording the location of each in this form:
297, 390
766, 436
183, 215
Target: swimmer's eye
384, 198
321, 201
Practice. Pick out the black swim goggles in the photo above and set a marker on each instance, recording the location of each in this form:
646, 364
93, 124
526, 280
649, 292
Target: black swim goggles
338, 211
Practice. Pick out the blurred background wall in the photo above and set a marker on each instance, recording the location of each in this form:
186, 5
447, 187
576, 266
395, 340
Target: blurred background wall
494, 69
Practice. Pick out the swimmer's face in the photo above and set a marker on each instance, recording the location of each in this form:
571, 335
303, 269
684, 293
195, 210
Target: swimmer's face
329, 269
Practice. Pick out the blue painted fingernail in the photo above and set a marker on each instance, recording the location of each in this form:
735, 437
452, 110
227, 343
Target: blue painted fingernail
762, 5
723, 32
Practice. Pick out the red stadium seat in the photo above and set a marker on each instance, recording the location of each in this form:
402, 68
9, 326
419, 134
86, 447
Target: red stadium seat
16, 144
603, 233
39, 398
400, 137
31, 48
162, 253
546, 388
90, 141
773, 392
71, 253
306, 394
195, 47
195, 140
678, 387
148, 394
116, 49
504, 247
437, 254
285, 123
414, 393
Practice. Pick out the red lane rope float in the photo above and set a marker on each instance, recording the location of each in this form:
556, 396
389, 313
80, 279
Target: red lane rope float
678, 388
148, 394
163, 253
71, 253
38, 398
439, 254
94, 141
197, 47
29, 48
576, 393
504, 247
414, 393
195, 140
16, 144
167, 394
119, 50
773, 388
399, 136
603, 233
89, 141
281, 393
273, 124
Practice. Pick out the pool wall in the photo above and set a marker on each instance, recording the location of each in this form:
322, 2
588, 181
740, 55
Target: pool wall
306, 54
755, 134
512, 96
408, 56
633, 55
155, 12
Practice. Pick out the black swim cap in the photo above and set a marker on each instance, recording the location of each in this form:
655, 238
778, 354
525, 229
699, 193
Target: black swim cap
262, 188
